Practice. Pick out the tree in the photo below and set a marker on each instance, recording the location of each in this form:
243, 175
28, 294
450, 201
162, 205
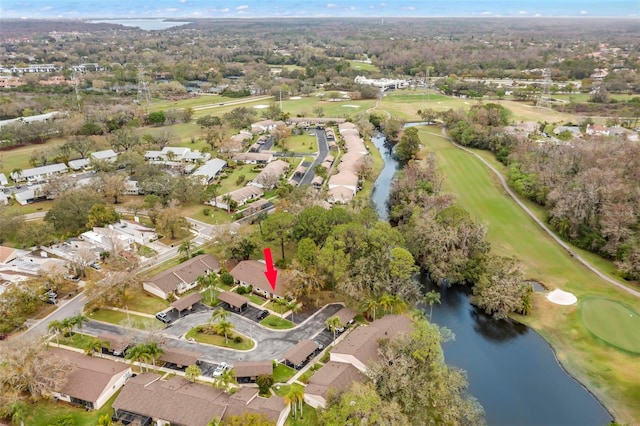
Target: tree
139, 353
157, 118
70, 211
362, 405
294, 307
248, 419
225, 379
264, 382
171, 220
219, 314
186, 248
101, 215
278, 227
78, 320
192, 373
409, 144
56, 327
370, 305
386, 302
154, 351
501, 288
224, 327
333, 324
430, 298
243, 249
113, 185
93, 346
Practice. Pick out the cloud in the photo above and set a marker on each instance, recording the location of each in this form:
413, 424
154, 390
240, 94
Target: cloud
486, 13
407, 8
522, 12
352, 8
242, 7
182, 1
225, 10
331, 5
170, 9
584, 12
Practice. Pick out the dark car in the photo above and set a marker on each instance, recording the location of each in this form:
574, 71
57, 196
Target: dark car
3, 336
262, 315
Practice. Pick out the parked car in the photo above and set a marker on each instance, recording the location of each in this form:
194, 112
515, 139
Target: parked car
262, 315
162, 316
220, 369
3, 336
95, 266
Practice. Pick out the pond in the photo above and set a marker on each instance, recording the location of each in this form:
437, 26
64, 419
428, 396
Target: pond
512, 371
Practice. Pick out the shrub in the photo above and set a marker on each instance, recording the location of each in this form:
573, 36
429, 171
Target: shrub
238, 339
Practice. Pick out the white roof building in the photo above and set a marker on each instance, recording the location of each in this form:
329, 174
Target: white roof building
38, 173
209, 170
3, 180
107, 154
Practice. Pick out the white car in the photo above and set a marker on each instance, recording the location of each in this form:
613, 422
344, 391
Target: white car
220, 369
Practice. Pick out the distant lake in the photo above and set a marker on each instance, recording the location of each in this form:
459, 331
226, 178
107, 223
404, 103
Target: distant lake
145, 24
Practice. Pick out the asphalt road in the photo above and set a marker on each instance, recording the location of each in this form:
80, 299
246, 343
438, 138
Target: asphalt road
323, 150
270, 344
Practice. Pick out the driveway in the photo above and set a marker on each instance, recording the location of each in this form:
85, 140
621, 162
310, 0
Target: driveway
270, 344
323, 150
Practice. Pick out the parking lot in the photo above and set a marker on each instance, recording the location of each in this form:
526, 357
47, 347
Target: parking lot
251, 312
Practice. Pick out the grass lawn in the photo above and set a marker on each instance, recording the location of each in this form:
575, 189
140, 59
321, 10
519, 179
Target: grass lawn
612, 322
309, 417
76, 340
282, 373
229, 184
304, 378
612, 375
214, 215
357, 65
209, 339
146, 303
256, 299
276, 307
46, 413
299, 143
121, 318
277, 323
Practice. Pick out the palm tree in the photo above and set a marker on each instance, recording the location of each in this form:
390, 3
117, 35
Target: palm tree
227, 377
370, 305
215, 422
299, 394
154, 352
67, 325
93, 346
294, 307
224, 327
17, 411
219, 314
192, 372
333, 323
226, 198
430, 298
55, 326
16, 173
78, 320
291, 399
185, 248
386, 301
399, 305
139, 353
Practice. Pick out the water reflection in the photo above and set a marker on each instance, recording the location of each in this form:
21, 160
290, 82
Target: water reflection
497, 331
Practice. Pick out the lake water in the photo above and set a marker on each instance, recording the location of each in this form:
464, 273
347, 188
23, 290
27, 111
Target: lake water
145, 24
512, 371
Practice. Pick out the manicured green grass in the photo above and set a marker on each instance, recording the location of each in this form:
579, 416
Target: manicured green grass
304, 378
209, 339
46, 413
277, 323
356, 65
612, 375
146, 303
76, 340
282, 373
229, 183
309, 417
276, 307
121, 318
299, 143
256, 299
612, 322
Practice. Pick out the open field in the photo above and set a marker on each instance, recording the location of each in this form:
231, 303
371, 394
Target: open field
124, 319
612, 375
612, 322
357, 65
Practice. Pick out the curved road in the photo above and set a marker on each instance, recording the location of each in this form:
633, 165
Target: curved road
552, 234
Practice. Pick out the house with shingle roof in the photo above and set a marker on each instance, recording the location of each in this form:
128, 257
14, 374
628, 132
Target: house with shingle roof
300, 353
333, 376
182, 277
248, 372
251, 273
92, 380
147, 399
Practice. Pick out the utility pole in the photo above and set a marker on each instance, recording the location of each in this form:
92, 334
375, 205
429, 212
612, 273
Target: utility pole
143, 87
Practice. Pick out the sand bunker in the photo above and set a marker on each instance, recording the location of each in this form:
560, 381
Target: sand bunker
350, 106
261, 106
295, 98
560, 297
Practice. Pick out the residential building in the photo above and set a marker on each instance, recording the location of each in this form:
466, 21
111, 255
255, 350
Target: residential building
180, 358
240, 196
29, 195
209, 170
105, 155
186, 303
252, 157
37, 174
298, 355
235, 301
251, 273
269, 177
597, 130
92, 380
3, 180
333, 376
263, 126
81, 163
147, 399
181, 278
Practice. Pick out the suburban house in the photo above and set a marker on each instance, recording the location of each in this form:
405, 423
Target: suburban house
7, 254
114, 344
597, 130
349, 358
300, 353
334, 376
248, 372
240, 196
251, 273
29, 195
92, 380
344, 185
269, 177
235, 301
39, 173
3, 180
79, 164
140, 234
209, 170
264, 126
120, 236
147, 399
181, 278
105, 155
252, 157
574, 130
168, 153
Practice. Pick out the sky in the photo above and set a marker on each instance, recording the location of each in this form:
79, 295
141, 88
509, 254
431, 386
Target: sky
119, 9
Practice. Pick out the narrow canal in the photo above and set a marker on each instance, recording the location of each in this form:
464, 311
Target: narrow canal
512, 371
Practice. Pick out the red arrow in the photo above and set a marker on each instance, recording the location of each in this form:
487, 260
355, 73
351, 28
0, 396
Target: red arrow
271, 273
